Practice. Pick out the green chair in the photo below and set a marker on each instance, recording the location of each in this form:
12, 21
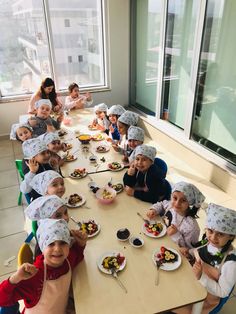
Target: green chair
18, 163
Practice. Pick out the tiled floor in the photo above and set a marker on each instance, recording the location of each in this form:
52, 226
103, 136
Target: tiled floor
13, 226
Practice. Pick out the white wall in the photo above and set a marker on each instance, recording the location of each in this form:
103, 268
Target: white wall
118, 22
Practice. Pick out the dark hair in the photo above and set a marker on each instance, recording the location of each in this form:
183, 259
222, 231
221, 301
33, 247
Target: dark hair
192, 212
227, 246
72, 86
18, 139
47, 82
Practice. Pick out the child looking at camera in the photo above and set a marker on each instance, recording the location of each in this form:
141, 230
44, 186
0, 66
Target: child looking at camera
21, 132
114, 113
101, 121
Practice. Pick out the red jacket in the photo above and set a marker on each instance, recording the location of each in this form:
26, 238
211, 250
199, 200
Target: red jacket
30, 290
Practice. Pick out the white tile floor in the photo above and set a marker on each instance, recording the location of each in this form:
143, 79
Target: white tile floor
13, 226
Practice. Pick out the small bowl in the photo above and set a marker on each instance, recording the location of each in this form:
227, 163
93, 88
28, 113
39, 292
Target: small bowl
123, 234
136, 242
93, 159
101, 195
84, 138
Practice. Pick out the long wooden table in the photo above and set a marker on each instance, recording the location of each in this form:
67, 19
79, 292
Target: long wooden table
96, 292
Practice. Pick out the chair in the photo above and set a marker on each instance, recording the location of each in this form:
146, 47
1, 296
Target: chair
221, 304
162, 166
34, 227
18, 163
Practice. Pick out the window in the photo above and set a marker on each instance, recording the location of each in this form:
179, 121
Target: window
27, 56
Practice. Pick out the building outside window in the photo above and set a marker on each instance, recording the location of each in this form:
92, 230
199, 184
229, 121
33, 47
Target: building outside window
28, 54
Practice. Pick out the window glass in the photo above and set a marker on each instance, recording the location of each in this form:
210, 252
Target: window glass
215, 103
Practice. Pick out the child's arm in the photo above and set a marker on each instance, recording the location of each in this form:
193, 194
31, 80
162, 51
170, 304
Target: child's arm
33, 167
157, 209
224, 285
76, 254
129, 177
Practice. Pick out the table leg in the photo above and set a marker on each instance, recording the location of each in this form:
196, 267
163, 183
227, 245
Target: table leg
197, 308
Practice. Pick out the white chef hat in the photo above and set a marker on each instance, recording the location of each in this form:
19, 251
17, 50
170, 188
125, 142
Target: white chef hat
116, 109
101, 107
49, 137
191, 192
135, 133
41, 181
33, 147
129, 118
44, 207
41, 102
51, 230
145, 150
221, 219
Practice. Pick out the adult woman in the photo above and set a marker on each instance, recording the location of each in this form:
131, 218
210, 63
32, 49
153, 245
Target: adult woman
46, 91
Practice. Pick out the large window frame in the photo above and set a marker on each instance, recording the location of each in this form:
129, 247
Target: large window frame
52, 61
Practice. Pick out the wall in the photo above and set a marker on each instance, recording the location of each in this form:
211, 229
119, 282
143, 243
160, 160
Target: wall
118, 38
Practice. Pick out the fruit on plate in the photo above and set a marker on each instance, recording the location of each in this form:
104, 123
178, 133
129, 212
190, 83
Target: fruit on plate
70, 157
166, 255
102, 149
68, 146
155, 228
98, 137
74, 199
106, 195
114, 165
62, 133
78, 173
90, 227
110, 262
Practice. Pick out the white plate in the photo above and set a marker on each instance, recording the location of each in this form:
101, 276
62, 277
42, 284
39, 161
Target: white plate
151, 235
95, 233
107, 148
77, 204
119, 191
167, 266
109, 253
131, 240
115, 170
71, 159
84, 175
97, 139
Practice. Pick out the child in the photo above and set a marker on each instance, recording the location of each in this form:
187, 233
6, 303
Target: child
48, 182
143, 179
101, 122
21, 132
215, 265
42, 122
49, 206
75, 100
114, 113
180, 213
37, 154
44, 286
135, 138
54, 145
46, 91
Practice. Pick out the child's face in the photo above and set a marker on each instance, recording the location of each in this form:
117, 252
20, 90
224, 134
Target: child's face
61, 213
48, 89
113, 118
75, 92
217, 239
43, 158
56, 187
56, 253
23, 134
134, 143
179, 202
122, 128
142, 163
100, 114
54, 146
43, 111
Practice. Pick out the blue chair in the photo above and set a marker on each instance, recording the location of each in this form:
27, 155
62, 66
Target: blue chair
14, 309
18, 163
221, 304
161, 164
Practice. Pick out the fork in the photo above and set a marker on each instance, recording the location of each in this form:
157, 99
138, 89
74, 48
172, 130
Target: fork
158, 264
145, 220
78, 223
115, 276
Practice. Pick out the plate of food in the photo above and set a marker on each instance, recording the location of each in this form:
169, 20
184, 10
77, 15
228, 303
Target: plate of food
168, 258
78, 173
92, 127
98, 137
69, 146
115, 166
61, 133
154, 229
70, 157
75, 200
111, 260
118, 187
91, 227
102, 148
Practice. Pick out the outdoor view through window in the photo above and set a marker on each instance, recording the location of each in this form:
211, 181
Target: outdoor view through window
73, 32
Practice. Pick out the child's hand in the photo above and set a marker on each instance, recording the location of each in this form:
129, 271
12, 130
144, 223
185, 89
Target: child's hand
60, 117
32, 122
111, 129
80, 237
129, 191
56, 108
101, 127
171, 230
54, 162
131, 170
25, 272
197, 269
64, 147
33, 165
151, 213
50, 128
116, 147
88, 96
184, 251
